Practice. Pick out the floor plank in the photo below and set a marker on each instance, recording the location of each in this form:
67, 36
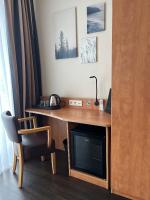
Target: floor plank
40, 184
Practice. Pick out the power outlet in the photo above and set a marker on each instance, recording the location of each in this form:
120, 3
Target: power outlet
88, 103
73, 102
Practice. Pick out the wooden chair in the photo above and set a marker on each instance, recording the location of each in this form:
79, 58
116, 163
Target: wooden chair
22, 138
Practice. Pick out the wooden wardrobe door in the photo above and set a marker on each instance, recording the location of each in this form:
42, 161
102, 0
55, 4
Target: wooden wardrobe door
130, 155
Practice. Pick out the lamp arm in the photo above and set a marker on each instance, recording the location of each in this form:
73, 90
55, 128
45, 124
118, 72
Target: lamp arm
96, 88
96, 102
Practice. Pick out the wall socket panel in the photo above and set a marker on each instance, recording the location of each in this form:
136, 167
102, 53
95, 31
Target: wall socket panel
75, 102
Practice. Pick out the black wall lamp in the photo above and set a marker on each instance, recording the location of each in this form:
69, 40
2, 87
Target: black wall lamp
96, 101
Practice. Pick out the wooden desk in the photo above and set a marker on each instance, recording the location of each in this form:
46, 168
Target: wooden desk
93, 117
64, 119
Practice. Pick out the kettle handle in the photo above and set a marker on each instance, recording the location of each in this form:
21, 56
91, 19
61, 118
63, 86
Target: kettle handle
58, 99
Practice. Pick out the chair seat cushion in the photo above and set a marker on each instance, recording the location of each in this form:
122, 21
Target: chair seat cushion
35, 145
32, 140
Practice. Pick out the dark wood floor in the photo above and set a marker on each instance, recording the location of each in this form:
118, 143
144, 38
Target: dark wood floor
39, 184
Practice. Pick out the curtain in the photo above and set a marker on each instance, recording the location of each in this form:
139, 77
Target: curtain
24, 54
6, 100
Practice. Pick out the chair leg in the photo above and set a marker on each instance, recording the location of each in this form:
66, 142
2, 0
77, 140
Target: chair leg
42, 158
53, 162
20, 176
14, 163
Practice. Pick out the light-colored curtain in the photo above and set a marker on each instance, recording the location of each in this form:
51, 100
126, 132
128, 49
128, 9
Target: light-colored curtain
6, 100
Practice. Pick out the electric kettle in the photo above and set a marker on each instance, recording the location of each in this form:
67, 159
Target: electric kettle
54, 102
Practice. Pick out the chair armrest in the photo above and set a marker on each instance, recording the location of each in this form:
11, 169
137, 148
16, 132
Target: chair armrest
38, 130
33, 130
33, 119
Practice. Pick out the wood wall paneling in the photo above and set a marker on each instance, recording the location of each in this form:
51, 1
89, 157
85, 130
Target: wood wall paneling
87, 103
130, 166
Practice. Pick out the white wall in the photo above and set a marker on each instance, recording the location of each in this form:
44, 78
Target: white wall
67, 77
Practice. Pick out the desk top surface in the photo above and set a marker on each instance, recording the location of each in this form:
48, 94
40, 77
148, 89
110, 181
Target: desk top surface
93, 117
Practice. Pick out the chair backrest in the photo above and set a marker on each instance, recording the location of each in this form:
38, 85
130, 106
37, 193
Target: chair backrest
11, 126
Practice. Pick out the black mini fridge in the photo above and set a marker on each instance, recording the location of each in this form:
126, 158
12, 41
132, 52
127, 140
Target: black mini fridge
88, 150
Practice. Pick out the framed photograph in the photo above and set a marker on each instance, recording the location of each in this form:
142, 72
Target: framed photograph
65, 34
96, 18
88, 50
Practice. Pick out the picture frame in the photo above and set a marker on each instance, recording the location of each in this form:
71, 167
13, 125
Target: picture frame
96, 18
88, 50
65, 34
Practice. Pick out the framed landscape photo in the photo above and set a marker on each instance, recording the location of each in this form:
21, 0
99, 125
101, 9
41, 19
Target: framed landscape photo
65, 34
88, 50
96, 18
